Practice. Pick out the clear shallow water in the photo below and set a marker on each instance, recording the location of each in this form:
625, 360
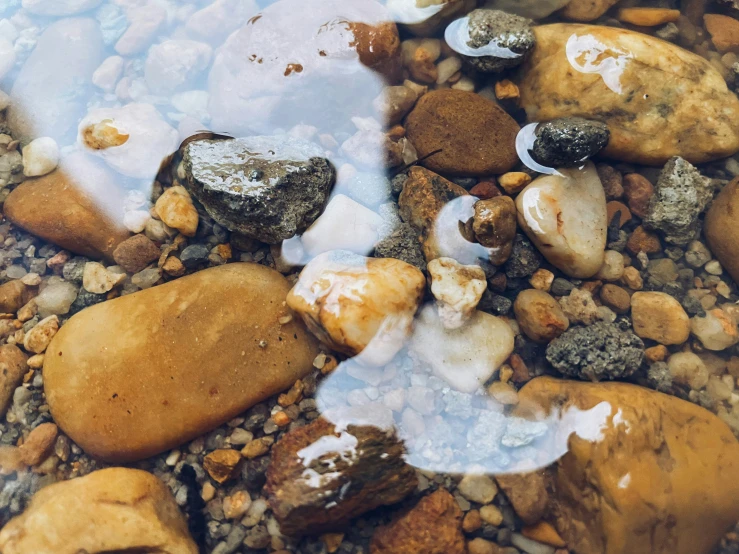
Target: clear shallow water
131, 81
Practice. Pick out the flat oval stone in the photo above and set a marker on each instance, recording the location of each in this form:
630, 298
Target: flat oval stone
138, 375
268, 188
565, 217
721, 229
77, 207
657, 99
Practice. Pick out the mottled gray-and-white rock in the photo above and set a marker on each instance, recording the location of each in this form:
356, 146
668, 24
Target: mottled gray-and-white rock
268, 188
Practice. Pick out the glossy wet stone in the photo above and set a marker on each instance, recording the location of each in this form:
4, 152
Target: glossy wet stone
266, 188
111, 395
570, 141
720, 228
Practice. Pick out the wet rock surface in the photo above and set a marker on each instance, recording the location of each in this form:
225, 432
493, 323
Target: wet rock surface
570, 141
265, 188
320, 478
720, 232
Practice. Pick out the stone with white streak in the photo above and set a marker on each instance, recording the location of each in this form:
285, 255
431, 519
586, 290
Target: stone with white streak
457, 288
40, 156
466, 357
717, 330
565, 217
133, 139
359, 306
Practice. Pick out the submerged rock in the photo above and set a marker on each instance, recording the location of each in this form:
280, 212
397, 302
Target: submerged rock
424, 17
681, 195
628, 481
321, 476
136, 393
457, 288
722, 232
569, 141
360, 306
491, 40
267, 188
115, 509
617, 77
535, 9
597, 352
565, 217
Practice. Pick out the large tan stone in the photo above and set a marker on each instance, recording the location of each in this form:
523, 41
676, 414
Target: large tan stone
721, 230
111, 510
658, 99
78, 207
143, 373
14, 295
646, 473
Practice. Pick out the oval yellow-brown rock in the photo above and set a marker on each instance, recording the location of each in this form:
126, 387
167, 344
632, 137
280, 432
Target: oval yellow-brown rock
658, 99
111, 510
134, 376
721, 230
643, 473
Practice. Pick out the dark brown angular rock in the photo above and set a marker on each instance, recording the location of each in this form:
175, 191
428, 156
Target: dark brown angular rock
319, 479
135, 253
77, 207
433, 526
527, 493
476, 137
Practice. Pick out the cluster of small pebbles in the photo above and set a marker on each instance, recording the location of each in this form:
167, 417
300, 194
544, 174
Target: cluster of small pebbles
457, 286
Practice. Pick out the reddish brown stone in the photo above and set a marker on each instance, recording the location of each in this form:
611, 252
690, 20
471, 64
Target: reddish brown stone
615, 298
476, 137
485, 190
613, 207
528, 493
612, 181
135, 253
638, 191
326, 492
642, 240
433, 526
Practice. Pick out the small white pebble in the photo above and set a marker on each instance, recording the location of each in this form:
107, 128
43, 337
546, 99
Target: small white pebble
136, 220
713, 267
40, 157
173, 458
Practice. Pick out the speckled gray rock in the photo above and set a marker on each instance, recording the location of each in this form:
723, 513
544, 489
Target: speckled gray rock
268, 188
491, 40
598, 352
569, 141
680, 196
524, 260
402, 244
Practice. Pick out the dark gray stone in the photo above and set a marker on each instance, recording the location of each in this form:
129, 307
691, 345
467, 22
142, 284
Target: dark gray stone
194, 255
599, 352
402, 243
680, 196
524, 260
84, 300
561, 287
267, 188
569, 141
491, 40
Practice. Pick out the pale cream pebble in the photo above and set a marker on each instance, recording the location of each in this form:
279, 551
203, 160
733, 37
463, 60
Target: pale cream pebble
658, 316
175, 208
492, 515
40, 157
208, 491
36, 361
579, 307
632, 278
40, 335
136, 220
717, 330
542, 279
97, 279
457, 288
418, 88
31, 279
688, 369
236, 505
717, 389
503, 393
612, 268
173, 457
713, 267
478, 488
447, 68
465, 83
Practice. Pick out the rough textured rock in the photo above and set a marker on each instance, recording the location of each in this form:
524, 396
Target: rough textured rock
402, 243
433, 526
14, 295
565, 217
495, 227
427, 16
476, 136
457, 288
528, 494
309, 73
466, 357
135, 253
360, 306
724, 31
539, 315
721, 230
145, 392
681, 195
77, 207
651, 119
13, 367
115, 510
491, 40
656, 479
658, 316
46, 99
266, 188
597, 352
569, 141
320, 478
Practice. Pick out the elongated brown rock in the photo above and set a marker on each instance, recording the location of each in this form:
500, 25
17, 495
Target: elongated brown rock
78, 207
132, 377
721, 229
657, 99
